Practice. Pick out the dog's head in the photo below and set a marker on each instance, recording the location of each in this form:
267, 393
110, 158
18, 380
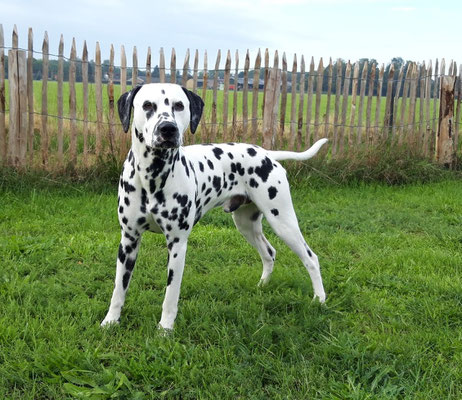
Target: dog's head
162, 113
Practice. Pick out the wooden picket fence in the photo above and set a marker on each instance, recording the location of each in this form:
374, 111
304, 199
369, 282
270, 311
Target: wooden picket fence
421, 106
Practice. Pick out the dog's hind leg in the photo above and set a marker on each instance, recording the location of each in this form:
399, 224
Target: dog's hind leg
126, 258
248, 221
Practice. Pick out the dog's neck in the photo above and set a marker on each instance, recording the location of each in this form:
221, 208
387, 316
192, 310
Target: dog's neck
152, 163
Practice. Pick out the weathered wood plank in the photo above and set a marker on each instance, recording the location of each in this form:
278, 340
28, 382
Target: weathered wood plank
23, 112
412, 103
110, 95
397, 100
361, 135
457, 111
338, 93
173, 67
421, 138
236, 76
389, 117
135, 68
148, 66
184, 77
317, 112
15, 38
435, 102
226, 96
402, 128
445, 151
378, 105
293, 108
214, 101
195, 71
44, 132
309, 104
30, 96
428, 87
265, 80
346, 90
283, 110
72, 106
354, 96
85, 102
123, 70
60, 101
14, 118
255, 90
2, 99
162, 66
330, 72
245, 98
204, 134
301, 103
99, 100
271, 104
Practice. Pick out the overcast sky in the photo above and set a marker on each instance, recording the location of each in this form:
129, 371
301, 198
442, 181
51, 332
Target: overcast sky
349, 29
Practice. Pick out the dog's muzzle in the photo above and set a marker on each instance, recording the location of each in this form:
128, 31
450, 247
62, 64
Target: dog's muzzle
167, 136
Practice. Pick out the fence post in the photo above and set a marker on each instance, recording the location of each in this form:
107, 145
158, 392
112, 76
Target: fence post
445, 150
17, 134
271, 107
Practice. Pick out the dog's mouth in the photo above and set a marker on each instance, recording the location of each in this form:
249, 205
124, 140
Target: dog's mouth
166, 144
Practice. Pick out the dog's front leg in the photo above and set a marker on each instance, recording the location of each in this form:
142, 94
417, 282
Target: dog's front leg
126, 258
175, 267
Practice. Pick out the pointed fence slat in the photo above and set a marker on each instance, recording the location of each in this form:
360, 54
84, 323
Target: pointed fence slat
204, 134
44, 132
2, 99
293, 108
354, 96
283, 109
226, 96
369, 131
60, 100
184, 77
338, 93
135, 68
317, 112
412, 102
428, 88
195, 71
99, 100
123, 70
110, 95
72, 106
236, 75
173, 67
421, 82
162, 66
255, 91
309, 102
272, 92
215, 101
388, 118
245, 98
397, 99
457, 111
346, 89
360, 136
85, 102
402, 129
301, 103
30, 96
330, 72
378, 105
148, 66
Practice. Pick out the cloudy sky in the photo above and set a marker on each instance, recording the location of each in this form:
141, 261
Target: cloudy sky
349, 29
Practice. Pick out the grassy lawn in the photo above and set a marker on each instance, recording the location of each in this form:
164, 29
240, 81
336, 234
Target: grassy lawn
391, 328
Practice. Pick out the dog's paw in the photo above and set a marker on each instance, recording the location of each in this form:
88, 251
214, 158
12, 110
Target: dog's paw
164, 332
320, 298
263, 282
109, 322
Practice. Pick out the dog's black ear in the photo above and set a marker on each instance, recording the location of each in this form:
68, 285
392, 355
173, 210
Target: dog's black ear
196, 105
124, 105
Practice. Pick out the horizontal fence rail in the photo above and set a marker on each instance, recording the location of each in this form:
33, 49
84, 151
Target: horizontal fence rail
59, 111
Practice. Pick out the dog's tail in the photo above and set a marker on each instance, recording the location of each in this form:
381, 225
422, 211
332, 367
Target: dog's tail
291, 155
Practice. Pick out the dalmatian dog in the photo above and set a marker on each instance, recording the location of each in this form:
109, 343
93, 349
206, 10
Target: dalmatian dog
166, 188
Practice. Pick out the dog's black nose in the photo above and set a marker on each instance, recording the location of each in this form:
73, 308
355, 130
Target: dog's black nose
168, 130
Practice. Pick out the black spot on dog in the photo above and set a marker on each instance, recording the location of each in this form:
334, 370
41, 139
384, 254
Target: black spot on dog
251, 152
275, 212
216, 183
130, 264
141, 220
230, 155
126, 201
162, 91
231, 176
121, 254
265, 169
270, 252
126, 279
272, 192
129, 188
255, 216
182, 200
203, 187
218, 152
208, 191
210, 164
166, 102
121, 209
170, 276
201, 167
253, 183
250, 170
164, 214
160, 196
124, 220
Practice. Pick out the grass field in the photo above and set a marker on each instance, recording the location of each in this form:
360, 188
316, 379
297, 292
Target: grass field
391, 328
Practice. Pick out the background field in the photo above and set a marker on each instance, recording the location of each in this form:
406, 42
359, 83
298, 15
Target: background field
391, 328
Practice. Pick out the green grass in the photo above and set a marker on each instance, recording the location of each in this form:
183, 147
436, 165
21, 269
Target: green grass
391, 328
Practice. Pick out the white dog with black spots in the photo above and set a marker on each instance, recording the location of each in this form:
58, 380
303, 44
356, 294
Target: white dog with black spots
166, 188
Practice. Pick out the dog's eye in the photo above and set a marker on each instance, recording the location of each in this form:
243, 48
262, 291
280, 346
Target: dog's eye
148, 106
178, 106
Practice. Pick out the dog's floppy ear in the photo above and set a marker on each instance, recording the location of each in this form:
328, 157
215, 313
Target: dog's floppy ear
124, 105
196, 105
